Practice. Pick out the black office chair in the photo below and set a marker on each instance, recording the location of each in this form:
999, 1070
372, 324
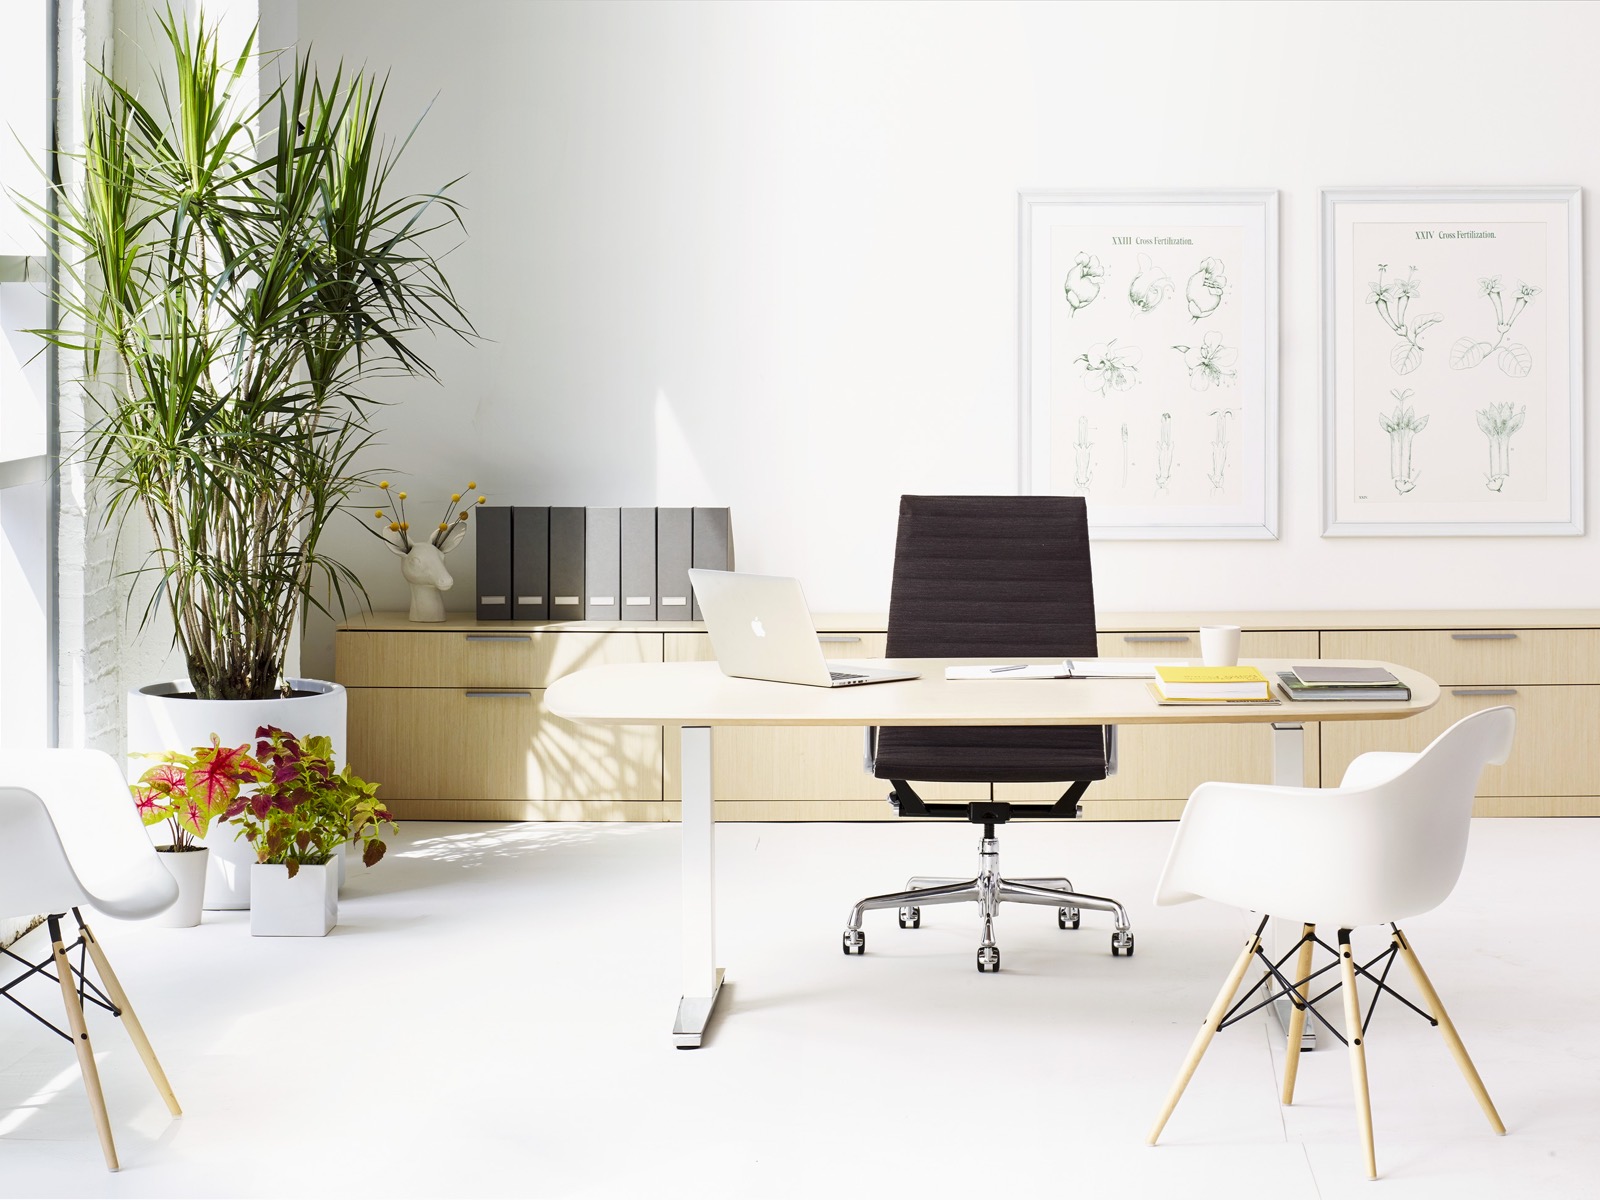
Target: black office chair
991, 577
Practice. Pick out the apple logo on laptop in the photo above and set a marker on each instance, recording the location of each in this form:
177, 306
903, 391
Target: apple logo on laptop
755, 627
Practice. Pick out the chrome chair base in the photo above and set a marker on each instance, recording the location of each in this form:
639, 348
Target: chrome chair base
989, 890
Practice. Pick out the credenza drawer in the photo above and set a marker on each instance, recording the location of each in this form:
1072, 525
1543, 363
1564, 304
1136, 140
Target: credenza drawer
1479, 657
494, 744
1178, 644
451, 659
1549, 757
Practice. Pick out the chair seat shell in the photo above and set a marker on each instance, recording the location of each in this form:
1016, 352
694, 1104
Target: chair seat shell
69, 835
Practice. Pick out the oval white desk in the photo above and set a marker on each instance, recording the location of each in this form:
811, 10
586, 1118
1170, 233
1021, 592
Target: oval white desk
695, 697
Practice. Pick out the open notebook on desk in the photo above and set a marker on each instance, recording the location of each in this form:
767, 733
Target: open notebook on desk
1080, 668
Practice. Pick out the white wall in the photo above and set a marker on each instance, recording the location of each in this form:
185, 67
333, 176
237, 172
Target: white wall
712, 244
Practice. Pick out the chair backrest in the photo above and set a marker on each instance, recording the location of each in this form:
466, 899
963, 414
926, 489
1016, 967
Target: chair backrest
980, 576
1418, 820
1387, 844
70, 811
35, 876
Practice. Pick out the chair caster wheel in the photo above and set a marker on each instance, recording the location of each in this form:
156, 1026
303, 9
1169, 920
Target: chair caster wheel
989, 959
1068, 918
1121, 944
855, 941
910, 917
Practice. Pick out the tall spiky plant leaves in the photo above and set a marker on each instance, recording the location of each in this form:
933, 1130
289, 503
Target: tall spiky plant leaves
234, 293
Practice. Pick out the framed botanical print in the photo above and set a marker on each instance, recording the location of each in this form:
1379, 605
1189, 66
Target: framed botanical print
1148, 359
1452, 358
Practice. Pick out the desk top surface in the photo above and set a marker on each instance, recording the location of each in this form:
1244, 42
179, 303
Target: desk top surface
697, 693
1108, 622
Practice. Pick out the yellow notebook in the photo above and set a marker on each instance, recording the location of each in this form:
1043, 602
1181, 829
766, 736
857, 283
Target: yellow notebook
1212, 683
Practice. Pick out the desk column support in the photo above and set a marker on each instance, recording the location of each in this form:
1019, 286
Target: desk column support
702, 978
1288, 770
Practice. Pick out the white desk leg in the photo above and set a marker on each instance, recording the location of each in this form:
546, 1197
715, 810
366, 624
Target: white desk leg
1288, 770
701, 976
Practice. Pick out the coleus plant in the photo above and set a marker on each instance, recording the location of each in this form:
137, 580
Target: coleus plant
303, 809
190, 790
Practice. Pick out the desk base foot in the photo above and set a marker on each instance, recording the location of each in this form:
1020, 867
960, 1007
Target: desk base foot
694, 1014
1282, 1010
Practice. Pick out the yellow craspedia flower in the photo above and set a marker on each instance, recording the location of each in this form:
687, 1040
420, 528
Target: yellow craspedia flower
394, 527
378, 516
471, 483
443, 525
464, 516
455, 497
402, 495
483, 499
384, 485
404, 525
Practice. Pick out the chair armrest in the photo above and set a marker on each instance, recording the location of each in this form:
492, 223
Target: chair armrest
869, 760
1111, 750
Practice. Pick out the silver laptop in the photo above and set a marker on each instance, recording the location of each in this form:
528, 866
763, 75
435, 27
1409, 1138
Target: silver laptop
761, 628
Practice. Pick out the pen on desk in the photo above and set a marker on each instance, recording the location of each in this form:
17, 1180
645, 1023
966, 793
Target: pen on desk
997, 670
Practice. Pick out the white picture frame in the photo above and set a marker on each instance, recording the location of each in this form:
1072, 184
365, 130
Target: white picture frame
1452, 378
1177, 441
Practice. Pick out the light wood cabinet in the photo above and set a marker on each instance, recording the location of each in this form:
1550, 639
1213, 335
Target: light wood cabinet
450, 718
1550, 675
451, 722
1485, 657
451, 748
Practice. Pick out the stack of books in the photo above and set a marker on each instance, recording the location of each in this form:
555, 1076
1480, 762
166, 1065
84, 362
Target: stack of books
1320, 682
1211, 685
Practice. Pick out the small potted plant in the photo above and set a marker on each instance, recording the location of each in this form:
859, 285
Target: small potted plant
189, 790
297, 820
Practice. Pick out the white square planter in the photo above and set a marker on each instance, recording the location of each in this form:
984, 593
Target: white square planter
305, 906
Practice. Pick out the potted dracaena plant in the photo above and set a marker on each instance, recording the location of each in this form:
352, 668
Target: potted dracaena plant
231, 293
188, 790
302, 811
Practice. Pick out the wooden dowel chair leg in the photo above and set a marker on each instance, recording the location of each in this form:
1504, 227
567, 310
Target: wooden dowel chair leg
80, 1043
1297, 1019
1451, 1037
1208, 1030
1358, 1051
130, 1021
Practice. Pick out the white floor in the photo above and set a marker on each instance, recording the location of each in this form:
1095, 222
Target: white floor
491, 1018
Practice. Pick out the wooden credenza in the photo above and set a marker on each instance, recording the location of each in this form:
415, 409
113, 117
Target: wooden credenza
450, 717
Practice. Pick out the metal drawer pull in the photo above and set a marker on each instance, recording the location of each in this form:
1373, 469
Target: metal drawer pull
499, 637
499, 695
838, 637
1484, 637
1483, 691
1155, 637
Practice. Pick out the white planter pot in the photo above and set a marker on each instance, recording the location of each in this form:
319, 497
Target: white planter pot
160, 720
305, 906
188, 867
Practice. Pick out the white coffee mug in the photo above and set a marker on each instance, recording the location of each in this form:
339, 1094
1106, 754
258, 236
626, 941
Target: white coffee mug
1219, 645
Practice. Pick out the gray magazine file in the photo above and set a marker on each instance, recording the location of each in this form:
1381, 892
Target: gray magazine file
713, 543
638, 564
493, 539
674, 557
602, 565
530, 564
566, 564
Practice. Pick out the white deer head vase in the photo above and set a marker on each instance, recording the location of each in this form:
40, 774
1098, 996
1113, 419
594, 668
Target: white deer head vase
422, 562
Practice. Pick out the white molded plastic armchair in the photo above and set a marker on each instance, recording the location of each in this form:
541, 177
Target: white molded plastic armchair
1389, 844
69, 836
